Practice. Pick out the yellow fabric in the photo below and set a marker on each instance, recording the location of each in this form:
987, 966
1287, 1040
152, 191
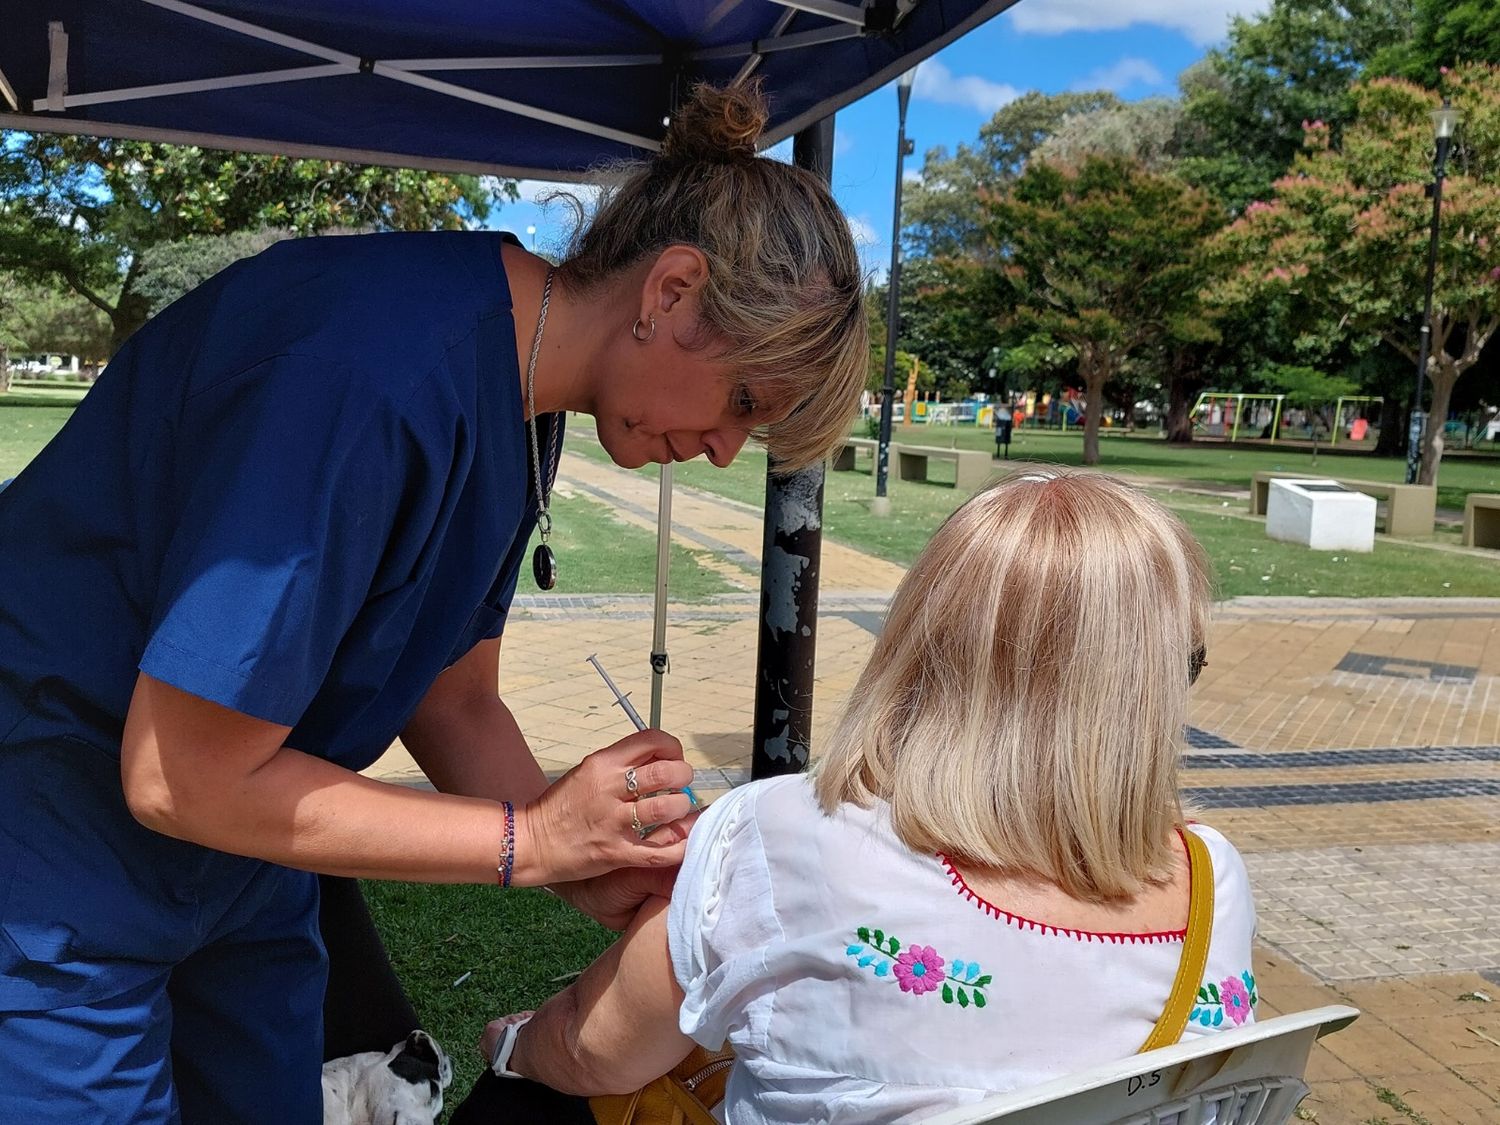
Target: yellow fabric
1174, 1016
685, 1096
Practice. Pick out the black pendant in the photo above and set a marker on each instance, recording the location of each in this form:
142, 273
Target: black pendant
544, 566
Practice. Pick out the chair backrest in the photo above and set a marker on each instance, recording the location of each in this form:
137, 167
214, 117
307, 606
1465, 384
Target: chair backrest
1249, 1075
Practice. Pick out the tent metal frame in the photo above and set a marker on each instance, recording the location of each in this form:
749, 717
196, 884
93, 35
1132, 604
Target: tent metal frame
847, 20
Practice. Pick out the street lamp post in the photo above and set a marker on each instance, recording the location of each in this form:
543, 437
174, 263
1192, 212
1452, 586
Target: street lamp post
904, 148
1444, 122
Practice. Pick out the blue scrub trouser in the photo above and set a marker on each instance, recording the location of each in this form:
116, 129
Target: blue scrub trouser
231, 1034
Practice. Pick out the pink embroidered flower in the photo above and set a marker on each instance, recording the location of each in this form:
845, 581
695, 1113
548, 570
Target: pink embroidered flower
1236, 999
919, 969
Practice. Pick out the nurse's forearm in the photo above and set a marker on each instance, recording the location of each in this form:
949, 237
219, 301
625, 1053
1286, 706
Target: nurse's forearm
201, 772
304, 812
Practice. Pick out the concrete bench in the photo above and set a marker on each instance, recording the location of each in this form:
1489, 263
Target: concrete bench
1410, 509
1482, 520
844, 455
972, 467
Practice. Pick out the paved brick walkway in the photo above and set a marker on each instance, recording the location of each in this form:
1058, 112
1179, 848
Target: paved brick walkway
1351, 748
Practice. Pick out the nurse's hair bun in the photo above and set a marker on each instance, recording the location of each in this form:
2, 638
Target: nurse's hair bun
716, 125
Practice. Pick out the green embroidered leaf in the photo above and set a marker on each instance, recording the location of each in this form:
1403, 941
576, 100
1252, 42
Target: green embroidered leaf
963, 998
879, 936
947, 995
979, 1000
864, 933
895, 947
1213, 990
1202, 993
984, 980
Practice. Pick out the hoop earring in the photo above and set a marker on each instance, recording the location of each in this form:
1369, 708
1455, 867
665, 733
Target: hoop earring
635, 330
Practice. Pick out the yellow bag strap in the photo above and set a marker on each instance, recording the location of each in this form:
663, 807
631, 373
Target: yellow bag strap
1174, 1016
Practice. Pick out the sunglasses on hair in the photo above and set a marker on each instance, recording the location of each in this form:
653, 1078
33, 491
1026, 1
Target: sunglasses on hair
1196, 663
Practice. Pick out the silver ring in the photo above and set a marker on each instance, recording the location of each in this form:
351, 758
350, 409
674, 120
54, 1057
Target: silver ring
630, 783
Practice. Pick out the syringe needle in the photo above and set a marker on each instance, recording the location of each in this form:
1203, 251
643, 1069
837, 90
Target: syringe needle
620, 697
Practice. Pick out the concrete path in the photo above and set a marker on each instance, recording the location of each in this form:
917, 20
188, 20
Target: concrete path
1351, 748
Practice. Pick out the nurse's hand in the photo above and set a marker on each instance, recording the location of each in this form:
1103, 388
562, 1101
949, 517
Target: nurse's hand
613, 898
586, 823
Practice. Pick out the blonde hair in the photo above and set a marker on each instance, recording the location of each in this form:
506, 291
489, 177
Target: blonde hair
1023, 709
784, 295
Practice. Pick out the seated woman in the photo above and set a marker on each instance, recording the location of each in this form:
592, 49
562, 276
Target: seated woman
984, 883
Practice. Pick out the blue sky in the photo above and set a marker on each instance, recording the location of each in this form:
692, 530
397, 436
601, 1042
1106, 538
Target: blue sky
1134, 47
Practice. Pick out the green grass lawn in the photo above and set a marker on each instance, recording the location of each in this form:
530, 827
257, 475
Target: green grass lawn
28, 419
519, 947
1145, 454
598, 554
1245, 561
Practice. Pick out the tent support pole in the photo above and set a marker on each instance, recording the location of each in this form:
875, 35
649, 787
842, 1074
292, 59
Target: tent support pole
791, 557
660, 663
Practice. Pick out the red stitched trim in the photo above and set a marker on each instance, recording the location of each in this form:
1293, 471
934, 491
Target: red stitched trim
1024, 923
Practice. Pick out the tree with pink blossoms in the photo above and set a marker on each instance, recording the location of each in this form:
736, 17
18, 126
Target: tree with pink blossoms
1347, 230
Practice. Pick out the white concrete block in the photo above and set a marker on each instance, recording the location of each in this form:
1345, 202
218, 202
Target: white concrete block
1321, 514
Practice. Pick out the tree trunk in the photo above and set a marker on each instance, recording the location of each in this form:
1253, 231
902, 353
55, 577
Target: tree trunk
1443, 373
1184, 381
1095, 371
4, 369
129, 314
1392, 439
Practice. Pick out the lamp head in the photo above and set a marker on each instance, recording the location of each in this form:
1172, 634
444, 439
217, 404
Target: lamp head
1446, 120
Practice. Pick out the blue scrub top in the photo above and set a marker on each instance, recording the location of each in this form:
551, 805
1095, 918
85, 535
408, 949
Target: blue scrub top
301, 492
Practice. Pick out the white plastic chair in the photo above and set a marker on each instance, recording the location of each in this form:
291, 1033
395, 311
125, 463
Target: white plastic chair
1246, 1076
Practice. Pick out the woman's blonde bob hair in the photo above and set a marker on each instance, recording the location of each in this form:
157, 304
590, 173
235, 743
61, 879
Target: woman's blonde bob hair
1023, 709
784, 298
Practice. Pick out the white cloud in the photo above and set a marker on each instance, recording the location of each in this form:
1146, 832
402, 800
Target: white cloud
1202, 21
936, 83
873, 252
1122, 75
865, 235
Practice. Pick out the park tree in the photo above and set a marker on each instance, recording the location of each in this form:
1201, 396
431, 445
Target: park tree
1346, 235
1244, 104
1104, 259
1445, 33
83, 211
943, 211
1148, 132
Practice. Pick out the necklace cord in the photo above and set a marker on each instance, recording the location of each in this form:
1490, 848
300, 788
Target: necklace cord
543, 492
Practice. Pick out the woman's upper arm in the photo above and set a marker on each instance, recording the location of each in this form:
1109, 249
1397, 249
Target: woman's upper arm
619, 1019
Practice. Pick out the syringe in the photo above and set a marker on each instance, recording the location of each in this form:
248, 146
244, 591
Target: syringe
623, 699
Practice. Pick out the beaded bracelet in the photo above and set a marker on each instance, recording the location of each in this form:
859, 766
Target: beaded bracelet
508, 848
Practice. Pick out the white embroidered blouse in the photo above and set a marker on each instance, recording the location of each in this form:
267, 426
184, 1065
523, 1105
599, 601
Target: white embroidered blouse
859, 981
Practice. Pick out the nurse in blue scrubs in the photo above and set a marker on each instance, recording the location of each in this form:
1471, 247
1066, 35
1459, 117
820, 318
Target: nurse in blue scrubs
285, 527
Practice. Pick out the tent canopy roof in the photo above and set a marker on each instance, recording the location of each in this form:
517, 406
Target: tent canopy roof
513, 87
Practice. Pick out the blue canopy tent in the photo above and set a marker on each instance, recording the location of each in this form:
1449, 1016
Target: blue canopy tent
512, 88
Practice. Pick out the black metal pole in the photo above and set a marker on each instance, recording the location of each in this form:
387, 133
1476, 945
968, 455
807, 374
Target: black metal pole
790, 561
1424, 349
893, 305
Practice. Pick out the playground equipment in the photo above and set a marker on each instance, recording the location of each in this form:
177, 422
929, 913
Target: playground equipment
1359, 420
1223, 413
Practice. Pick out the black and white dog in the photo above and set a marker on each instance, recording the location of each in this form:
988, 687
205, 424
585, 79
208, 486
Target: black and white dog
402, 1086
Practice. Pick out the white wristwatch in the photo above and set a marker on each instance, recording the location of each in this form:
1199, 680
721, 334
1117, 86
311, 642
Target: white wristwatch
505, 1047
